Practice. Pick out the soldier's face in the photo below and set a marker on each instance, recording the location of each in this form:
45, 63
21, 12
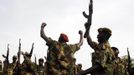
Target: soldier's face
40, 62
100, 37
116, 52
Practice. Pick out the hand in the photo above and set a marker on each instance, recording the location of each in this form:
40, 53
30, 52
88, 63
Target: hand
80, 32
86, 26
43, 25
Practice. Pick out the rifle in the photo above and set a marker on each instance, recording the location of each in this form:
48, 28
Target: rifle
129, 62
19, 51
89, 18
31, 52
35, 60
7, 56
18, 62
6, 62
7, 53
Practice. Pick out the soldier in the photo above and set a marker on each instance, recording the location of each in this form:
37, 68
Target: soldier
119, 66
103, 55
40, 67
27, 67
12, 66
60, 54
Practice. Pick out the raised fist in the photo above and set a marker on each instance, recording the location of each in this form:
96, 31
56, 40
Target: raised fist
43, 25
86, 26
80, 32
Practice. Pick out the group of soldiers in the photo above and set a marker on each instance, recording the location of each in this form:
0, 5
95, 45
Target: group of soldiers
27, 67
60, 58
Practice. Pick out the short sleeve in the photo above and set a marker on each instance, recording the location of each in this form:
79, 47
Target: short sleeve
74, 47
103, 59
94, 45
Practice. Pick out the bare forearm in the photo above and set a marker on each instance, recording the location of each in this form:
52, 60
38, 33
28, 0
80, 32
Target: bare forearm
81, 38
89, 39
42, 33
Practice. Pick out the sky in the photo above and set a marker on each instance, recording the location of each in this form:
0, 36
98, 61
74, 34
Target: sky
23, 18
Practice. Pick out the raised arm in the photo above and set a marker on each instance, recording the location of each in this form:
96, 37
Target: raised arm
42, 33
89, 39
81, 38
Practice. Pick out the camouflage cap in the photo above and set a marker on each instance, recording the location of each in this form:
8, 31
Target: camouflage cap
105, 30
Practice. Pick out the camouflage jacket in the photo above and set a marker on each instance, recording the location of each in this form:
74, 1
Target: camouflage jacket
60, 58
119, 67
103, 56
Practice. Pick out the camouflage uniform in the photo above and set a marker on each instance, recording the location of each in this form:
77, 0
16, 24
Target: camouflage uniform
119, 67
5, 67
103, 56
12, 69
40, 70
40, 67
60, 58
27, 67
60, 55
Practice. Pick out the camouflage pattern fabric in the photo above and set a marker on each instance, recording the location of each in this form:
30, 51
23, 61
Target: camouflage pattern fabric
103, 56
40, 70
119, 67
60, 58
27, 68
11, 69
